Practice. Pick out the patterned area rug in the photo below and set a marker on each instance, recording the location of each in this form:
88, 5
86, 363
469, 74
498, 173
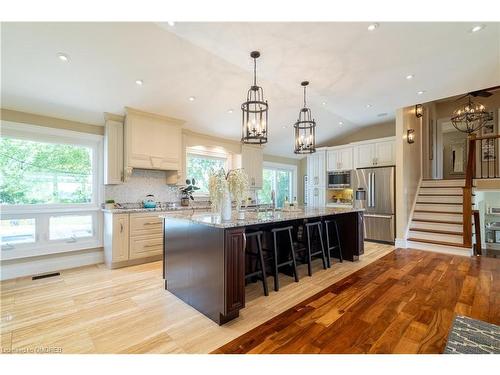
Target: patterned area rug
471, 336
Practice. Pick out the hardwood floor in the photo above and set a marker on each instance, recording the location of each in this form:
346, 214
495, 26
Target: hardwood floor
96, 310
403, 303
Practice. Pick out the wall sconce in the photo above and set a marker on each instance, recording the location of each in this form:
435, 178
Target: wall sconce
419, 110
410, 135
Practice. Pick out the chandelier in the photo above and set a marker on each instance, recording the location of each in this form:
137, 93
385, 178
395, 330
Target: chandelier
254, 110
305, 133
469, 117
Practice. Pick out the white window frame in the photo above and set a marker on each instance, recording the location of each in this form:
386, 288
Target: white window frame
288, 168
42, 212
208, 154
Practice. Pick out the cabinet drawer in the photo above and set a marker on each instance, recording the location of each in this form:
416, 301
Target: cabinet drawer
146, 246
145, 225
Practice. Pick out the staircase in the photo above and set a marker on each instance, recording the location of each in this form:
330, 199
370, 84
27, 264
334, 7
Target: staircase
438, 215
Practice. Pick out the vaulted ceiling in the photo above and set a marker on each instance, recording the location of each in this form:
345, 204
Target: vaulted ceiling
358, 77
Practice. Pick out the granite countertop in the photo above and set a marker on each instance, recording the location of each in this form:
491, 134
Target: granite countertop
253, 218
158, 209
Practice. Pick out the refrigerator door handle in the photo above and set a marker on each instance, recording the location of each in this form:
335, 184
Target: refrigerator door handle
369, 190
379, 216
373, 190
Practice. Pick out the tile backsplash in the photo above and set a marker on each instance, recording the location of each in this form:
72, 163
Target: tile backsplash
141, 183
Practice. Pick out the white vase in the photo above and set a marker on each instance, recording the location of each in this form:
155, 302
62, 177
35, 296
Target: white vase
226, 206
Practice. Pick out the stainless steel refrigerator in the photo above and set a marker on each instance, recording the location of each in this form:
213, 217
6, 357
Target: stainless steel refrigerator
380, 218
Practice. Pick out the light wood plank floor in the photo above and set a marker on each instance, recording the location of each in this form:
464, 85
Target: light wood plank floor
96, 310
404, 302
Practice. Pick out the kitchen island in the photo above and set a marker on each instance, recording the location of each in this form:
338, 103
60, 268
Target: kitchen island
204, 257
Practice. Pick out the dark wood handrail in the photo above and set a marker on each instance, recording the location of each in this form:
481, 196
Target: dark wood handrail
467, 192
489, 136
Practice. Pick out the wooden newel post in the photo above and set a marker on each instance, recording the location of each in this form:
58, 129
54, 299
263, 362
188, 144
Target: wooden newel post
467, 191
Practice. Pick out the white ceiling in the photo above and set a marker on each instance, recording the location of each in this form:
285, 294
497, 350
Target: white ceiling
348, 67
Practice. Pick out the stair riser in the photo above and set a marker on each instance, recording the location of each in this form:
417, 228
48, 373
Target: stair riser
440, 216
436, 237
434, 183
439, 207
437, 226
436, 190
439, 199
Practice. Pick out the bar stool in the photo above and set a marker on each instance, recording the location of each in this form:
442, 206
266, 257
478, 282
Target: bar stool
336, 244
312, 252
291, 262
261, 273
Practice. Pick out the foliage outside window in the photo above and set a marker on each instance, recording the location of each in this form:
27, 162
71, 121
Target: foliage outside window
279, 180
199, 167
44, 173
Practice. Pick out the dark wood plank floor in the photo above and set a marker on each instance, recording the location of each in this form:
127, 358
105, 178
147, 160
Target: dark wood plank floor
403, 303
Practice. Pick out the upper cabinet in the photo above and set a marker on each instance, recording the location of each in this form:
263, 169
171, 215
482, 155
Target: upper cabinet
316, 179
252, 162
113, 149
374, 153
339, 159
152, 141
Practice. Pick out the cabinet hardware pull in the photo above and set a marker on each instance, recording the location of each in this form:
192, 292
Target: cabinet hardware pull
152, 223
121, 227
152, 245
244, 241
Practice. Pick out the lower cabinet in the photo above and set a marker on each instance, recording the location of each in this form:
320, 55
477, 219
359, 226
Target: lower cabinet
132, 238
234, 258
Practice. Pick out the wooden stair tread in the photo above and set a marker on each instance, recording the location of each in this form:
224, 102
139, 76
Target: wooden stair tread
438, 212
443, 187
437, 231
452, 203
443, 179
439, 221
443, 195
438, 242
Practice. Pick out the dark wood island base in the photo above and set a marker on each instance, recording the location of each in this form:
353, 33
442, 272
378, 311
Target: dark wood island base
204, 262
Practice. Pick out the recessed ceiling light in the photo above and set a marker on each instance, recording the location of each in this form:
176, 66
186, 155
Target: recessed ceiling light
410, 76
373, 26
171, 23
420, 92
368, 106
191, 98
139, 82
324, 103
229, 111
284, 127
63, 57
477, 28
341, 123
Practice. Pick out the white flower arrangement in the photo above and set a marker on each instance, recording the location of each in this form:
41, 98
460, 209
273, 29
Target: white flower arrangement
234, 182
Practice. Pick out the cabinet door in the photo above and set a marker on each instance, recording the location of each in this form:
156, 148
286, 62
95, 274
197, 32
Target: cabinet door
332, 160
365, 155
321, 168
234, 258
120, 242
113, 152
345, 156
252, 163
146, 246
384, 153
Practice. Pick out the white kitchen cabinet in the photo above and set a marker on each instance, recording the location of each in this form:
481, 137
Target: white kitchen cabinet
152, 142
339, 159
316, 179
252, 162
113, 151
374, 153
116, 237
132, 238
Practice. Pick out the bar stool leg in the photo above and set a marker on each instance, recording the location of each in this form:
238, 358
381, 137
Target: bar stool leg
309, 267
294, 263
323, 254
276, 276
329, 258
262, 266
338, 242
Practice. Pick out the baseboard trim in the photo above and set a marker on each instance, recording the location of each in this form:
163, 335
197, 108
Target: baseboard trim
400, 243
14, 268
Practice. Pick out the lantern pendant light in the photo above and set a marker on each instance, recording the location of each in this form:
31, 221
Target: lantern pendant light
305, 129
254, 111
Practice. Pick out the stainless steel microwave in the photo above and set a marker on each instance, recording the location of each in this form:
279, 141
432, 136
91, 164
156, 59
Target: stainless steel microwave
339, 180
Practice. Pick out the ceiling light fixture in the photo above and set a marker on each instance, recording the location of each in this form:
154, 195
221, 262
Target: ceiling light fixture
191, 98
420, 92
229, 111
305, 129
254, 110
63, 57
324, 103
373, 26
477, 28
341, 123
171, 23
409, 76
469, 117
139, 82
368, 106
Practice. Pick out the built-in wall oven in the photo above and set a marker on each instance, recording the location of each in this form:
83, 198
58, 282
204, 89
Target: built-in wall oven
339, 180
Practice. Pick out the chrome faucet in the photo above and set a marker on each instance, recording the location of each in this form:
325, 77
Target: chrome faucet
273, 200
